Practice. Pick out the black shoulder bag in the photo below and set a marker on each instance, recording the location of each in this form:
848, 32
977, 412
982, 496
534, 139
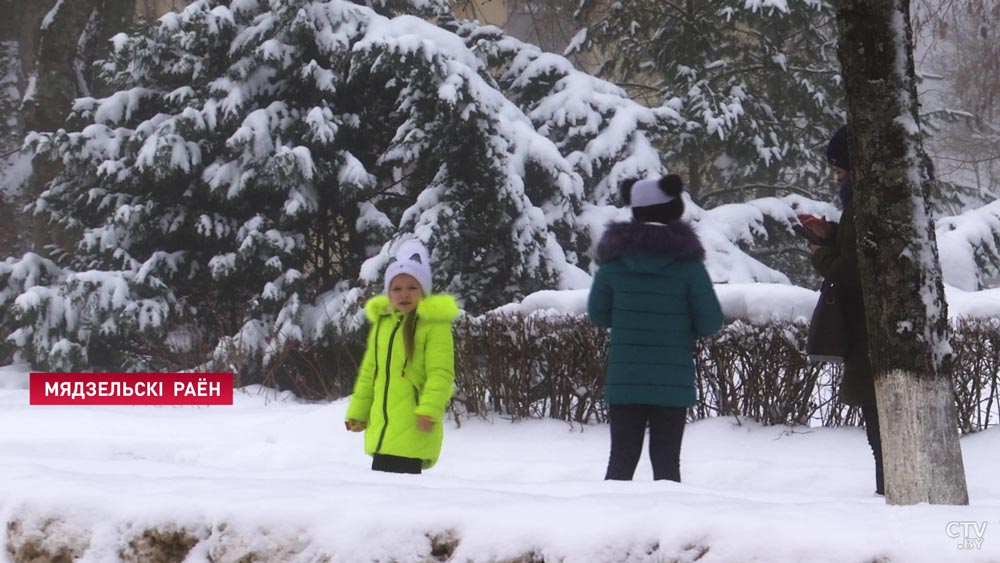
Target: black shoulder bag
827, 338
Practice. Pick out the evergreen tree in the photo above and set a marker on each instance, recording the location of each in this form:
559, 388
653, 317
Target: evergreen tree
756, 84
254, 160
605, 135
422, 8
977, 231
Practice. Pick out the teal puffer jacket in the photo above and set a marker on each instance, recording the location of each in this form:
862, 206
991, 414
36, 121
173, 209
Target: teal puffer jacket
654, 293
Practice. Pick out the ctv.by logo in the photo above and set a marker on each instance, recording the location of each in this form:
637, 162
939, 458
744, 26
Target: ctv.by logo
972, 534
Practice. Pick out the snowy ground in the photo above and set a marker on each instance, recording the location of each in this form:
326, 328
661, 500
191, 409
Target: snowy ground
277, 480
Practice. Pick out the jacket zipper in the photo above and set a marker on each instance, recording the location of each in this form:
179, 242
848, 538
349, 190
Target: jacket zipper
385, 395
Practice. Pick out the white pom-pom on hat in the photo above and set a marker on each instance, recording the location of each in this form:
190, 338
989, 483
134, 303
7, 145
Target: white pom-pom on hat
411, 258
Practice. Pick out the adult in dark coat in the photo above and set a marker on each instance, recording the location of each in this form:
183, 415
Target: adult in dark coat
838, 262
654, 293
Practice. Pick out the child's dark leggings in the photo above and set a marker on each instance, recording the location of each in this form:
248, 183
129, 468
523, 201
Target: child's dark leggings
396, 464
628, 429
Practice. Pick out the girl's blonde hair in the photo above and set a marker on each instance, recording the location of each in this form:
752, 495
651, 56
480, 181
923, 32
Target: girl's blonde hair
409, 333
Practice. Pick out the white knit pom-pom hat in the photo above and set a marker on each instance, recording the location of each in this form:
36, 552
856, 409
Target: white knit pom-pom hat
411, 258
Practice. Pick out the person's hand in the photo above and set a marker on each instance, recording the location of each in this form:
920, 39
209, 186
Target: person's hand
821, 227
425, 423
354, 425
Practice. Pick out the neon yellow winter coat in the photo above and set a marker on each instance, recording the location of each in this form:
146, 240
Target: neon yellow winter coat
389, 398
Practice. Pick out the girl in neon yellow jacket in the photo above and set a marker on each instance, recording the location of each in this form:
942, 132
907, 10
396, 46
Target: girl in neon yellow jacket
406, 376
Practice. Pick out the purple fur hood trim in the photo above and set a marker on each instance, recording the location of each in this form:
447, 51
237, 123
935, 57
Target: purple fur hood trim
676, 239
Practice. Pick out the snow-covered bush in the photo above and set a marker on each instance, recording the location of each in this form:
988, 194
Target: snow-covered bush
755, 84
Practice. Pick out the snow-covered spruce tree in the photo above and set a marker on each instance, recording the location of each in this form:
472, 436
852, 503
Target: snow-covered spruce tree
257, 154
977, 231
428, 9
28, 280
606, 135
756, 82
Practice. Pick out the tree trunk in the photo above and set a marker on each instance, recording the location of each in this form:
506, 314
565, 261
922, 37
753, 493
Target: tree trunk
55, 83
901, 275
18, 34
112, 16
51, 52
922, 456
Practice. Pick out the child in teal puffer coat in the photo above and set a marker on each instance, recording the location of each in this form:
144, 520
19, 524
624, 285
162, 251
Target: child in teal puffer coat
653, 291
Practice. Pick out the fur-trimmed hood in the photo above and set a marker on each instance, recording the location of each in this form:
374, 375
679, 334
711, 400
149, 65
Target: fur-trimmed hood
439, 308
675, 240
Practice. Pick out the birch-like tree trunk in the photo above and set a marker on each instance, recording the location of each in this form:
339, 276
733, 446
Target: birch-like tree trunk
901, 275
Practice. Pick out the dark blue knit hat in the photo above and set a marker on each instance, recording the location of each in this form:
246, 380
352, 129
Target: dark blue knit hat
836, 150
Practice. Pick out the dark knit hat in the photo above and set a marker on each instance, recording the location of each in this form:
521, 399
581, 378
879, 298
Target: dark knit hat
655, 200
836, 150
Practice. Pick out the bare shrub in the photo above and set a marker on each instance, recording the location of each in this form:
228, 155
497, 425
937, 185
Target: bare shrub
529, 367
516, 367
552, 366
976, 344
761, 372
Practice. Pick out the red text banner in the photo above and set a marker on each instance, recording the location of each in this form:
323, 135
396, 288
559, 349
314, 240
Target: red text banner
131, 389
